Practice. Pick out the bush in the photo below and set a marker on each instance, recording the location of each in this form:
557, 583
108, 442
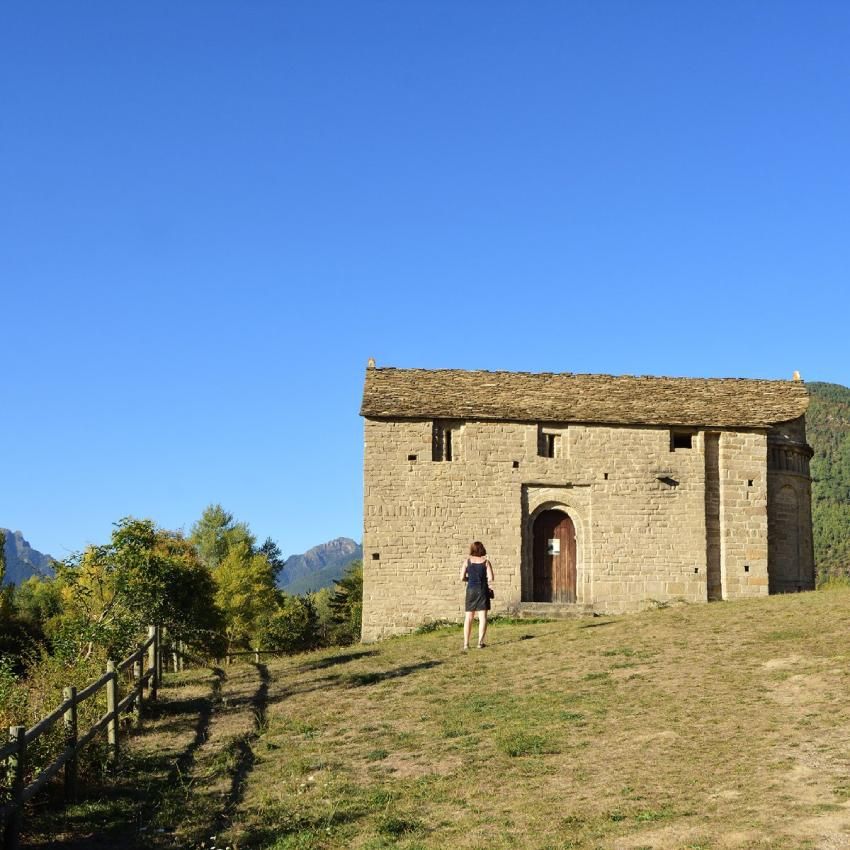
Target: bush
346, 606
26, 698
293, 627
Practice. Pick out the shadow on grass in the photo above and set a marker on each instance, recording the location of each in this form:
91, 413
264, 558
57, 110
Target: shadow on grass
301, 830
115, 812
361, 679
341, 658
245, 758
525, 637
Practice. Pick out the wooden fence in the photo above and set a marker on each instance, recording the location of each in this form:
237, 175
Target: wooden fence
146, 664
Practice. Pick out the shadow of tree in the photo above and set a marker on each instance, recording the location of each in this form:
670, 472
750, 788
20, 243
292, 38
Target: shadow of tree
372, 678
123, 804
341, 658
280, 824
245, 758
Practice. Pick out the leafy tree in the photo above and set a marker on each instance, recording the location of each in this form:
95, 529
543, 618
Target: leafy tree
346, 605
2, 556
144, 575
215, 533
321, 600
245, 592
244, 574
37, 601
275, 557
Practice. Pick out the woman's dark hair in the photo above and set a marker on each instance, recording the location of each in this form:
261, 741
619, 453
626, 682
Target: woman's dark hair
477, 549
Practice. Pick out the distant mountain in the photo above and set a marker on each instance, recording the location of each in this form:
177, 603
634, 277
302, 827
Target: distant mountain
319, 567
22, 561
828, 431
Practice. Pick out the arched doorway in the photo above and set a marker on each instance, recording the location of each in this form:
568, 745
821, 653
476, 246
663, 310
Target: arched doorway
554, 571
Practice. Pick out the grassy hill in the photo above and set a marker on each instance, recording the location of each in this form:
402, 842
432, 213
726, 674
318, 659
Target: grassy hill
704, 727
828, 428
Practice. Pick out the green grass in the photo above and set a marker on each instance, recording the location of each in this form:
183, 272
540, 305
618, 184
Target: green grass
676, 728
705, 727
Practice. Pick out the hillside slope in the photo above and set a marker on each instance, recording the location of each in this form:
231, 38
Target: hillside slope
828, 429
707, 726
723, 726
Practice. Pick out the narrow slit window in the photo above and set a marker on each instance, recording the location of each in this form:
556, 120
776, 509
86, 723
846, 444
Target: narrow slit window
549, 443
444, 441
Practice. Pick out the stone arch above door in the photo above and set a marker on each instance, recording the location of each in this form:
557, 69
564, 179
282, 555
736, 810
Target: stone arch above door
575, 503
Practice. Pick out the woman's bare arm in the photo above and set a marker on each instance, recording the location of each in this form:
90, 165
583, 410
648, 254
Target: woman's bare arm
463, 573
491, 577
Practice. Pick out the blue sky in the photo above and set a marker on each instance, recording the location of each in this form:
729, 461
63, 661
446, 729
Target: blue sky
213, 213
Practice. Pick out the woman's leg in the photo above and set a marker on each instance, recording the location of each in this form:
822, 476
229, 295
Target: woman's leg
467, 628
482, 627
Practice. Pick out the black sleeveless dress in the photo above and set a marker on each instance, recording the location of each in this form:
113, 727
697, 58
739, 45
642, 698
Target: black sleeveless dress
477, 598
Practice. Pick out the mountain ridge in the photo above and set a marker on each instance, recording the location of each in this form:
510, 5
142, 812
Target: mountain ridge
319, 566
22, 561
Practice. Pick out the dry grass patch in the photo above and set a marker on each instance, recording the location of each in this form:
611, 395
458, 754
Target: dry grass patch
721, 726
714, 727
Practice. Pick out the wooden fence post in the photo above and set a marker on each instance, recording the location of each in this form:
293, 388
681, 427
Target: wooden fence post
111, 703
138, 686
16, 767
152, 661
71, 744
160, 639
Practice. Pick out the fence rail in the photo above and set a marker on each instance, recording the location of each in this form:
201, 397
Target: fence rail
146, 663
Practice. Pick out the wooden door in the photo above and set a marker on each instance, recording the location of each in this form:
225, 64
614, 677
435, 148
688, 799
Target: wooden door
554, 578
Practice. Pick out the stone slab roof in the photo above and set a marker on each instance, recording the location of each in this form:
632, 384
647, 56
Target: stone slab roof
565, 397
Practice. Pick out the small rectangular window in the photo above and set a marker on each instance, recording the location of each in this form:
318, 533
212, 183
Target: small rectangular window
681, 440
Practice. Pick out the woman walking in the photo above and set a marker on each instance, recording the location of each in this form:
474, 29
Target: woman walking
477, 572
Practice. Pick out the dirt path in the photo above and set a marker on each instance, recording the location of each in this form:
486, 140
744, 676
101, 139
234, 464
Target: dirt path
183, 772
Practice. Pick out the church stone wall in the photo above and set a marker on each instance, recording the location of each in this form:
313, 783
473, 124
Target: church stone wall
638, 507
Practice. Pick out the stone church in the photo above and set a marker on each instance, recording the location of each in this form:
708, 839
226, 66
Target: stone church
591, 492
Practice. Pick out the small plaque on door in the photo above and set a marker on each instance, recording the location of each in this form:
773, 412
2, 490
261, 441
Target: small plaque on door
554, 546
